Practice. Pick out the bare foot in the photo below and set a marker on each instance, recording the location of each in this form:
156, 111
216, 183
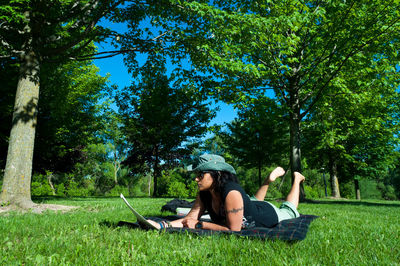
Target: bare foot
298, 177
277, 172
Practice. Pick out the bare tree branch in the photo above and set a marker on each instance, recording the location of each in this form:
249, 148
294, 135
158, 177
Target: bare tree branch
88, 29
330, 55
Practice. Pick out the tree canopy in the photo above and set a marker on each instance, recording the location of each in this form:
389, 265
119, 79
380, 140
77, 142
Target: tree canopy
332, 68
355, 128
161, 118
297, 48
69, 117
33, 32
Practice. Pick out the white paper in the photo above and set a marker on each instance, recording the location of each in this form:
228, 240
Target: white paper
139, 217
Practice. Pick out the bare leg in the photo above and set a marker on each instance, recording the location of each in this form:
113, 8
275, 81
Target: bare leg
294, 193
262, 191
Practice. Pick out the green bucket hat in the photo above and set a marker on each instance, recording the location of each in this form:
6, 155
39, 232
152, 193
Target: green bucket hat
211, 162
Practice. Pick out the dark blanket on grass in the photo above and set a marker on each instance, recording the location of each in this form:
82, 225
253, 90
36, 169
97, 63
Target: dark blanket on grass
293, 229
288, 230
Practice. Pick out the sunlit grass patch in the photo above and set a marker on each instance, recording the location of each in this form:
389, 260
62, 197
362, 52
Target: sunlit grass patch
346, 232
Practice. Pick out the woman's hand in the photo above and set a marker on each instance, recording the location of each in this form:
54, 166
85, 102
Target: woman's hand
155, 224
189, 222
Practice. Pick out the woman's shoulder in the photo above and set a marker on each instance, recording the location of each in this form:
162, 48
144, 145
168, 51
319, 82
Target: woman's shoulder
229, 186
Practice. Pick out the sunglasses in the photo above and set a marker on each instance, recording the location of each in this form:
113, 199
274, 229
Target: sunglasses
200, 175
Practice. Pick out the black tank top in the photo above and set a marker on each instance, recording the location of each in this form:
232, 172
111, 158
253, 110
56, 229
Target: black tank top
256, 213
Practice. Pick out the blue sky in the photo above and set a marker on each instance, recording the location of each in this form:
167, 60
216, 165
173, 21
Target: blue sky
119, 75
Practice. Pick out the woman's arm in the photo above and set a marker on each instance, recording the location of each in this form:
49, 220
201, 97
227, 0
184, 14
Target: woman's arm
234, 209
194, 214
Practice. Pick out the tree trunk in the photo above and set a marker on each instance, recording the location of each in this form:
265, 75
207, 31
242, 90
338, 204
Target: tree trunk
17, 178
259, 173
295, 152
357, 188
334, 178
156, 173
149, 185
115, 173
117, 167
49, 177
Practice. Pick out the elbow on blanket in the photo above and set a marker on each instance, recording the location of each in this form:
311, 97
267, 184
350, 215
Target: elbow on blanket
235, 228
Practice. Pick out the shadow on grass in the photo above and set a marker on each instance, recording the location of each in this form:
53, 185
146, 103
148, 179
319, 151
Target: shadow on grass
352, 202
137, 225
120, 224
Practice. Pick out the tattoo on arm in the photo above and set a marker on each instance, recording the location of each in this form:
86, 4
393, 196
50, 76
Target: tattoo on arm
235, 210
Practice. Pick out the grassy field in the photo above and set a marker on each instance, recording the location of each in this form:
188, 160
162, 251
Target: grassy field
347, 232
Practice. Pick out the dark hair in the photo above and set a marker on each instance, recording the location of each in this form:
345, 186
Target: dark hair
221, 178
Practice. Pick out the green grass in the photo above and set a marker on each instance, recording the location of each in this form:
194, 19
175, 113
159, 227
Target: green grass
347, 232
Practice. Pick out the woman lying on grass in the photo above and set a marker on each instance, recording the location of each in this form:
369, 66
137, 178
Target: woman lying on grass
229, 207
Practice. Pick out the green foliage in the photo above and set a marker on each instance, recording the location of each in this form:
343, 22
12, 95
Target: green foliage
8, 75
70, 116
387, 191
139, 191
177, 189
54, 30
40, 185
311, 193
178, 183
258, 137
360, 136
142, 186
90, 235
117, 190
159, 117
309, 51
11, 12
393, 179
99, 169
248, 178
192, 189
369, 189
315, 183
73, 190
69, 113
347, 190
60, 190
34, 33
